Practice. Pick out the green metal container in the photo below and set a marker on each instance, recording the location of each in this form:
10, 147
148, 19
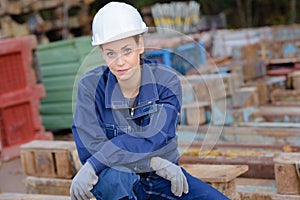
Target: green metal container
62, 63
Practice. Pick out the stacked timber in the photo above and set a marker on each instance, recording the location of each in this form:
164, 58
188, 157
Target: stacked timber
285, 186
49, 20
205, 97
290, 95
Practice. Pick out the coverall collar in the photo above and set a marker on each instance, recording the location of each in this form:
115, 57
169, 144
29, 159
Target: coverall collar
147, 93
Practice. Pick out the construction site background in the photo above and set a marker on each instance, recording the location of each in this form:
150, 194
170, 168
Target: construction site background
239, 66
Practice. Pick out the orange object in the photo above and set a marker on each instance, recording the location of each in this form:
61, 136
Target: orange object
20, 120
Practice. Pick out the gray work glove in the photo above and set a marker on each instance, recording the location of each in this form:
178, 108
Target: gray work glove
83, 182
171, 172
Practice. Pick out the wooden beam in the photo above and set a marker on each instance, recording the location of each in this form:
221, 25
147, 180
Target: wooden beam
19, 196
270, 124
245, 135
215, 173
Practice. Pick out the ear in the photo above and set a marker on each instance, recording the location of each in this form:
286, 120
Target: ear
141, 45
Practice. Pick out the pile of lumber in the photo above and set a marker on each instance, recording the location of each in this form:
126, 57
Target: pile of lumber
50, 20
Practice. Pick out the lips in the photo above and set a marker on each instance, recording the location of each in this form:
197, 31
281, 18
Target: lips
123, 71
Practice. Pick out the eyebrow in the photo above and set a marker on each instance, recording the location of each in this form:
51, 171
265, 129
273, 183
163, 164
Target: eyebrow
121, 48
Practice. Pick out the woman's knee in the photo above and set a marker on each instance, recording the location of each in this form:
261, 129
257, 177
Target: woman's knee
118, 175
118, 181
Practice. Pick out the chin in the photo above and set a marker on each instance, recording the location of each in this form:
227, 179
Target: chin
123, 78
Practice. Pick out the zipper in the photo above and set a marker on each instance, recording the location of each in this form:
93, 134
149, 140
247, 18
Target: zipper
132, 111
133, 108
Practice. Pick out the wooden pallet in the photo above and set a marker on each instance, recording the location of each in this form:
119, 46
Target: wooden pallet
54, 159
59, 16
221, 177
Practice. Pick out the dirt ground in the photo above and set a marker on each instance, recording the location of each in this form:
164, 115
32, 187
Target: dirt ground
12, 177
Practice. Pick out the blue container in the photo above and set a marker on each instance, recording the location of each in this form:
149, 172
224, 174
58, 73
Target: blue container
163, 55
189, 56
183, 58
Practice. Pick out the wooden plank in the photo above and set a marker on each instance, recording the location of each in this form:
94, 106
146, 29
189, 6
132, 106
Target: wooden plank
287, 139
227, 188
63, 165
281, 61
44, 164
267, 196
221, 177
286, 175
204, 87
290, 104
283, 95
255, 185
253, 189
295, 76
265, 86
232, 81
53, 145
278, 110
20, 196
215, 173
245, 97
52, 186
254, 69
259, 166
270, 124
195, 113
241, 114
278, 114
28, 163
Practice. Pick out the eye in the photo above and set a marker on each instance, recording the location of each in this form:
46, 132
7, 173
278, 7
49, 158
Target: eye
127, 51
110, 54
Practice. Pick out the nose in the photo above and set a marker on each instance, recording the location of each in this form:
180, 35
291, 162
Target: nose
120, 60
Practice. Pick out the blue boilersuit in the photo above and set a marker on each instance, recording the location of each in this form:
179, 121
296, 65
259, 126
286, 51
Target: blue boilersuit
119, 141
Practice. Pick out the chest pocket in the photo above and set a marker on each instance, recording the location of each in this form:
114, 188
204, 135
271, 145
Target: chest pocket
138, 122
114, 130
143, 115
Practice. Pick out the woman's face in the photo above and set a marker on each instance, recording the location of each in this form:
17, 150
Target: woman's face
123, 57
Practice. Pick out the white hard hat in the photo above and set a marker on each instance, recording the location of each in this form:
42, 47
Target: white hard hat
116, 21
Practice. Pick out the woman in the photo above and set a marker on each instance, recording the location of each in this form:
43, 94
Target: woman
125, 120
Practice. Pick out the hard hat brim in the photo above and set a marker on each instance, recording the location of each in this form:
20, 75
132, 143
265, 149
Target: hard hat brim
121, 36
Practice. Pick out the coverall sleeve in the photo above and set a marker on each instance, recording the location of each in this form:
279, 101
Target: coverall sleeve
158, 139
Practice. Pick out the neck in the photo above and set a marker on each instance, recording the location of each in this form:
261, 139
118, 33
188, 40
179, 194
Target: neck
130, 88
